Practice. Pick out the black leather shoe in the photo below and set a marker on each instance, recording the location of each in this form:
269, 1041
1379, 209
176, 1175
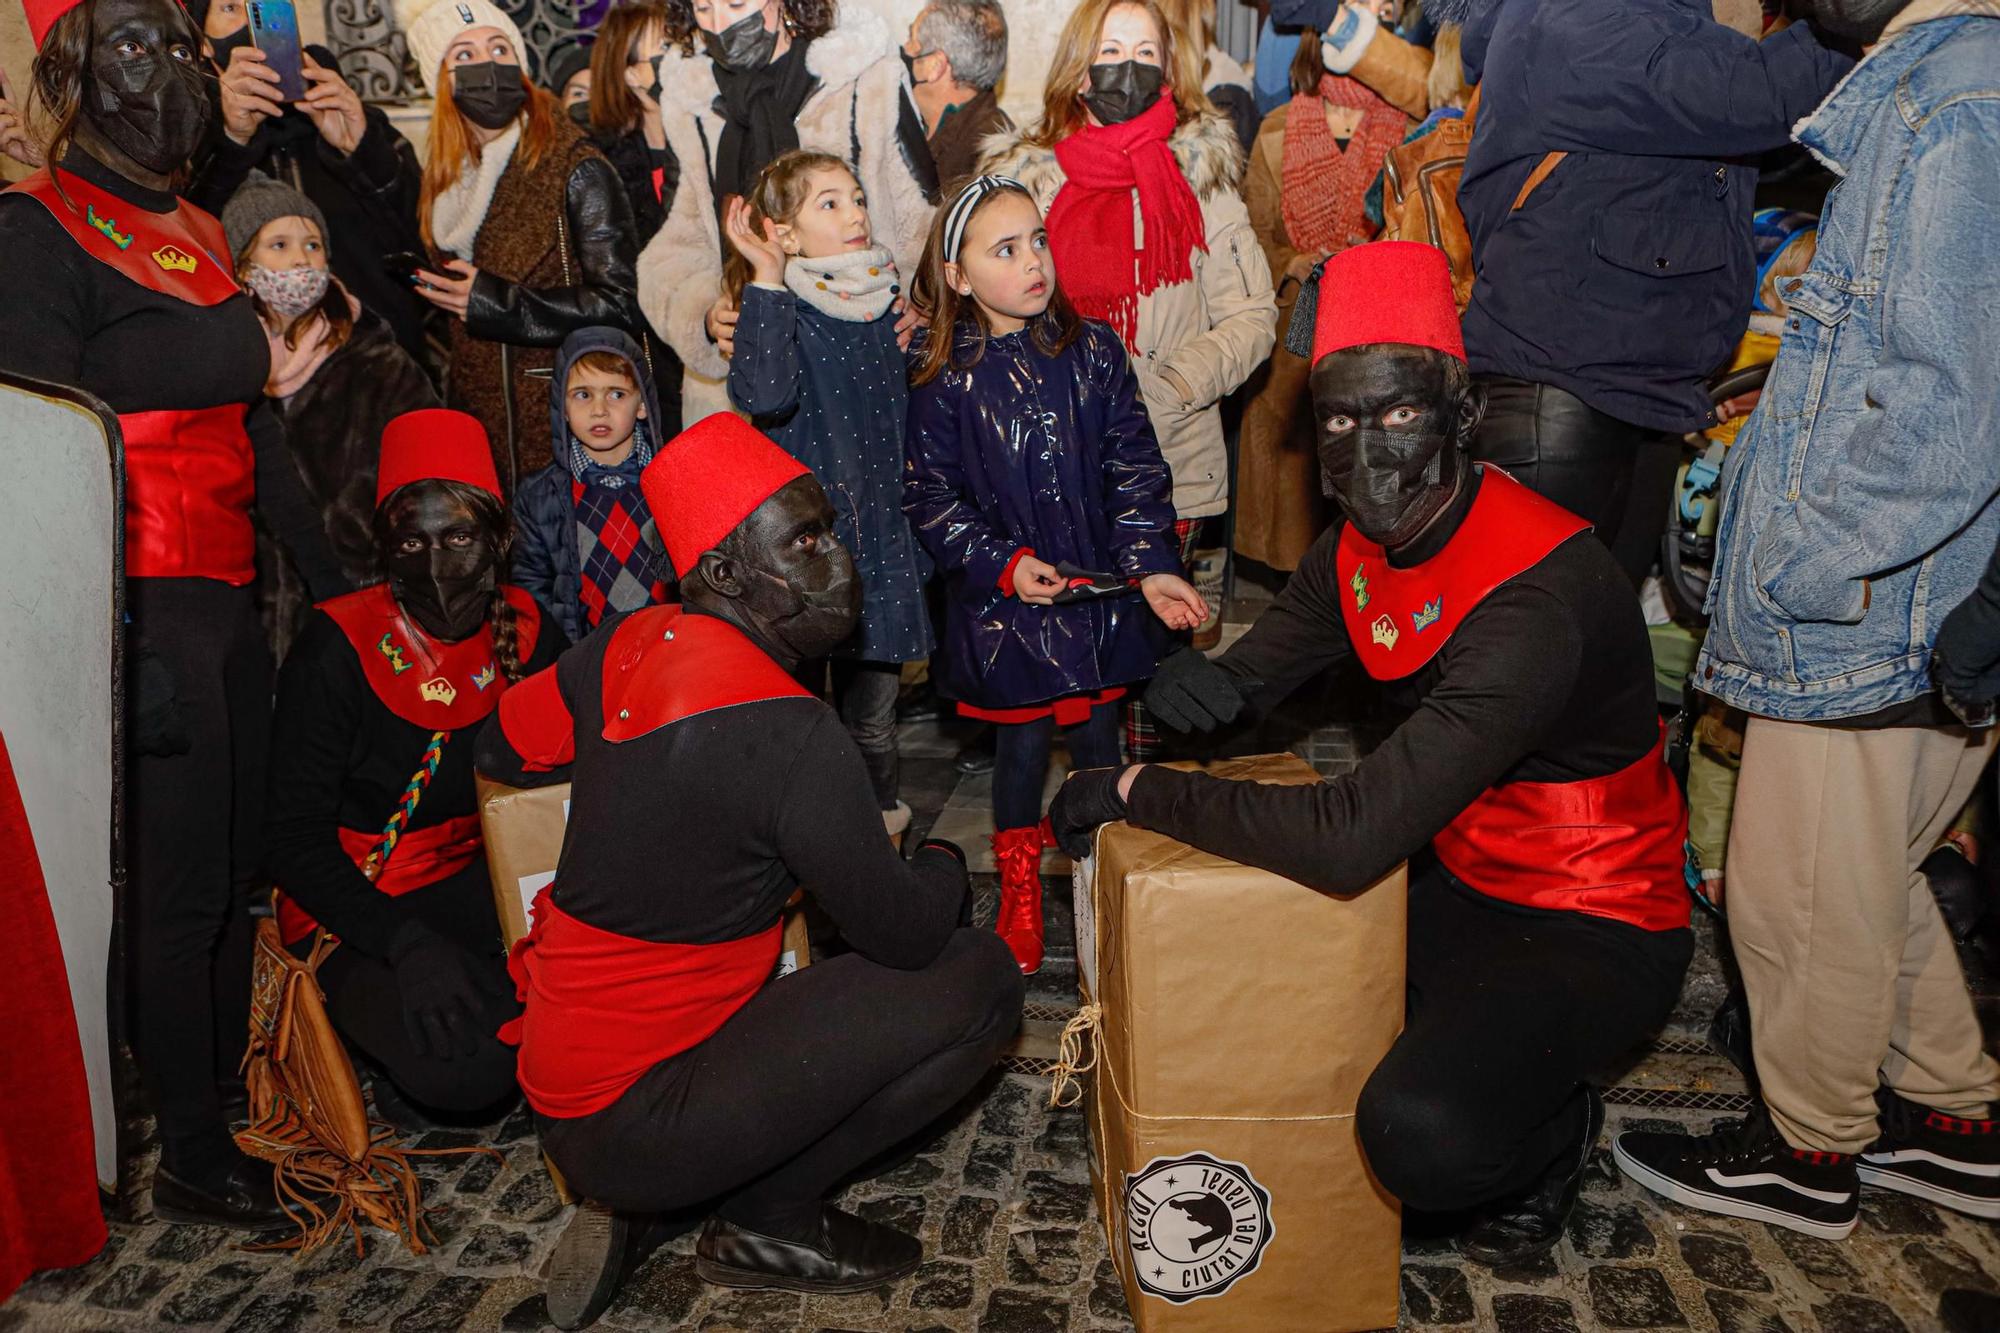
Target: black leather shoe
588, 1265
977, 757
243, 1198
852, 1254
1516, 1230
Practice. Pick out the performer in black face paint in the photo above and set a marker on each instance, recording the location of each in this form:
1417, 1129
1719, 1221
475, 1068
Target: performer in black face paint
1525, 785
708, 785
115, 286
382, 696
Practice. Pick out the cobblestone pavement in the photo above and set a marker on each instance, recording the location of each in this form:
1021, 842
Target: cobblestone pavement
1003, 1204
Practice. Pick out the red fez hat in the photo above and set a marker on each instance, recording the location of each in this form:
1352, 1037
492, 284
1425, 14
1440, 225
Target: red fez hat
708, 479
1387, 292
42, 15
435, 444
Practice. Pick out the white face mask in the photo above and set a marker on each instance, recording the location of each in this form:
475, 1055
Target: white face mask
289, 291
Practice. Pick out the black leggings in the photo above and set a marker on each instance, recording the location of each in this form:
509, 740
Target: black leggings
1616, 475
820, 1073
193, 825
1021, 760
1510, 1011
365, 1003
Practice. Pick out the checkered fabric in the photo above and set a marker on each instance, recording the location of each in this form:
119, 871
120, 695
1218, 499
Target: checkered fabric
620, 572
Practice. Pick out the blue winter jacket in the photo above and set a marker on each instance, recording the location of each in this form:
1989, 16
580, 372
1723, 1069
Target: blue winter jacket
1626, 277
1858, 503
1056, 454
834, 394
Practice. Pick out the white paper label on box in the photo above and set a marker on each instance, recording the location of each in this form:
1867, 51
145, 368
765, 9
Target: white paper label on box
1196, 1225
529, 886
788, 963
1082, 875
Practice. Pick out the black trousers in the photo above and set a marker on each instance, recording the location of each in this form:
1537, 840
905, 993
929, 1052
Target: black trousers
819, 1074
1510, 1011
365, 1002
1617, 475
193, 826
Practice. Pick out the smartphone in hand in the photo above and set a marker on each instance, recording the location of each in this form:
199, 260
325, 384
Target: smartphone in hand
274, 30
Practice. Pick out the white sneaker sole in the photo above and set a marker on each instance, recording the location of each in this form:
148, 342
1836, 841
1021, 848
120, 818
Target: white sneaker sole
1972, 1205
1728, 1205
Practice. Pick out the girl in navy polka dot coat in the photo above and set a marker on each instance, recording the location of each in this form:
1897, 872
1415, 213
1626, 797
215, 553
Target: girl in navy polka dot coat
816, 366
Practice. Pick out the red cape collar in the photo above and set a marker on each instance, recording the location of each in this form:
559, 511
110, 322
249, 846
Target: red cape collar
1399, 618
440, 686
663, 666
182, 254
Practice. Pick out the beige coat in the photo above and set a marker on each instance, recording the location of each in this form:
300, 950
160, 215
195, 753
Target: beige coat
862, 88
1212, 330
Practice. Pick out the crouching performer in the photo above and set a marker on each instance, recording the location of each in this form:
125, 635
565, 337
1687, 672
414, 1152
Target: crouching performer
665, 1068
378, 711
1548, 925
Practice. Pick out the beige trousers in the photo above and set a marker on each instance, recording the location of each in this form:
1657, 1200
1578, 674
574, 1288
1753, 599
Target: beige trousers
1852, 978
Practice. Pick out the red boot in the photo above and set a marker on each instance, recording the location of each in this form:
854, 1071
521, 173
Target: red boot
1018, 853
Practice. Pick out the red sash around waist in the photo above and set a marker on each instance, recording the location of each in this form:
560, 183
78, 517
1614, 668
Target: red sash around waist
189, 482
422, 858
1609, 846
603, 1008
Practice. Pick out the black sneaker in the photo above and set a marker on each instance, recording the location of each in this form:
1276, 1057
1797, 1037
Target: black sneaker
1952, 1162
1744, 1168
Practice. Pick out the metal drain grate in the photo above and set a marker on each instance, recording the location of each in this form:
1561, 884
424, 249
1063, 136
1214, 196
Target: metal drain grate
1034, 1066
1678, 1099
1036, 1012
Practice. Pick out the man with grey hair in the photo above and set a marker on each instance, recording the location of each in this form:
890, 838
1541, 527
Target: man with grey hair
957, 52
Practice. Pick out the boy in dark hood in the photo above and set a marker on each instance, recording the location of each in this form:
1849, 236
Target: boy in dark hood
579, 521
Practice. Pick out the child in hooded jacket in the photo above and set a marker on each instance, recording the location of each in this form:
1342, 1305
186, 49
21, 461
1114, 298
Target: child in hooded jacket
1030, 460
816, 366
583, 543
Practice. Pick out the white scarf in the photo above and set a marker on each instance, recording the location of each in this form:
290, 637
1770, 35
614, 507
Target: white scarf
858, 287
456, 214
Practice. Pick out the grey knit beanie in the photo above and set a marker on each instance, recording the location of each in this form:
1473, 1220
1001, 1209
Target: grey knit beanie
259, 200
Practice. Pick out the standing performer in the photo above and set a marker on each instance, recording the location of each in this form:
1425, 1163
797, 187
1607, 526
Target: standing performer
115, 286
1548, 922
379, 706
708, 786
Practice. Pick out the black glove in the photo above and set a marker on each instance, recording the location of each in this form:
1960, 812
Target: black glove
1191, 693
446, 992
1088, 798
158, 728
1965, 662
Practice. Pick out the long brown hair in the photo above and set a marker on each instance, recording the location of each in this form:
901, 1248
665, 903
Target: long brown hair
493, 515
939, 302
451, 143
1076, 50
804, 19
614, 107
778, 195
1307, 66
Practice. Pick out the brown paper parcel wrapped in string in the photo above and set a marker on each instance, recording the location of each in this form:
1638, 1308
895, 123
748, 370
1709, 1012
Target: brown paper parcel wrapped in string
1238, 1015
524, 827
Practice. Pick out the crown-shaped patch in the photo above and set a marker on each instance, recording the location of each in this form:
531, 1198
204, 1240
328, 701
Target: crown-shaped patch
174, 259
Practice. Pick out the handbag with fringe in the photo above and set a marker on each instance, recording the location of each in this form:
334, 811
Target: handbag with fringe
334, 1167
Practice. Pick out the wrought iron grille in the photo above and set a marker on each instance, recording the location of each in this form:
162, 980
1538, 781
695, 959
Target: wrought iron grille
375, 60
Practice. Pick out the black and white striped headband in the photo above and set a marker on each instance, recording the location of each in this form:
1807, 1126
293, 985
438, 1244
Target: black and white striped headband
961, 209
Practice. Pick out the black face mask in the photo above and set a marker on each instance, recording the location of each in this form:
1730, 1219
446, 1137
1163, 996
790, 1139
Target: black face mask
445, 578
742, 45
1857, 21
653, 89
804, 601
223, 46
152, 108
1391, 478
1123, 91
489, 94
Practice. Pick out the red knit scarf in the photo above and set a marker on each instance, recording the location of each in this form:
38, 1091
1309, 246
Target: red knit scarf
1098, 261
1323, 186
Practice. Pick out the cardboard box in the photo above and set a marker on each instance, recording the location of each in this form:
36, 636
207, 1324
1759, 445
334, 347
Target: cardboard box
524, 828
1240, 1014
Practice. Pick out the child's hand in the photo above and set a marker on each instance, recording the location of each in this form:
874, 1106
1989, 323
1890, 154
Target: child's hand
908, 321
1036, 581
766, 259
722, 318
1173, 600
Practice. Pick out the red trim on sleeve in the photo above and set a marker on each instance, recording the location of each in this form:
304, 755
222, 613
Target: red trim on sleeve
537, 723
1007, 574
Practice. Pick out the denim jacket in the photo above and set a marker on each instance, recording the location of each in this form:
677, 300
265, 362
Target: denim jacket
1858, 504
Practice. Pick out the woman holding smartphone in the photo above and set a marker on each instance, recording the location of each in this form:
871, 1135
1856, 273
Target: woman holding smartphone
529, 225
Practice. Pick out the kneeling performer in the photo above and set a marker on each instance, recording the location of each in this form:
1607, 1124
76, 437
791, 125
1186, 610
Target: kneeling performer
708, 785
1548, 922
